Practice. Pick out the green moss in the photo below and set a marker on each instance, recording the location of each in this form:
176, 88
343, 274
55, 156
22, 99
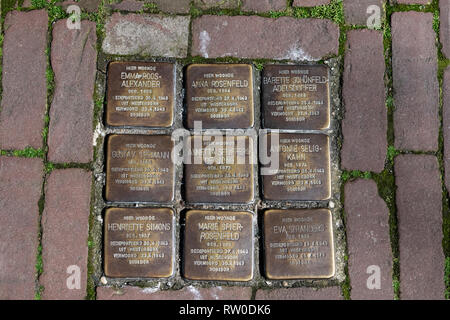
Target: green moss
150, 7
6, 6
25, 153
333, 11
392, 153
55, 12
345, 176
49, 167
39, 291
447, 278
346, 286
90, 288
277, 14
39, 263
354, 174
50, 79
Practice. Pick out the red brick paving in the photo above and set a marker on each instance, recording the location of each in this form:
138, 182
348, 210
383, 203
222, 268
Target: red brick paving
416, 87
24, 81
310, 3
73, 57
154, 35
65, 224
444, 28
223, 4
369, 243
329, 293
20, 191
446, 125
365, 122
419, 211
86, 5
412, 1
263, 5
187, 293
356, 11
307, 39
128, 5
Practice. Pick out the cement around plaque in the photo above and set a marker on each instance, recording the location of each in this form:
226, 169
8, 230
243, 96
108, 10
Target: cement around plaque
139, 243
296, 97
139, 168
298, 244
220, 96
219, 171
140, 94
304, 168
218, 245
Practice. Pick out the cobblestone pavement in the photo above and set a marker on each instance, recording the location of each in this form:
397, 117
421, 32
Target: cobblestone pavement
391, 131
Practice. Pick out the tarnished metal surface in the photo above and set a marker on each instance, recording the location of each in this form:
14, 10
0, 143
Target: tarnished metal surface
304, 168
139, 242
140, 94
220, 96
218, 245
139, 168
219, 171
298, 244
296, 97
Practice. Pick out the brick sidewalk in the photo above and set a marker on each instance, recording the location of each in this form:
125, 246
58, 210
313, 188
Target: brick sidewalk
391, 126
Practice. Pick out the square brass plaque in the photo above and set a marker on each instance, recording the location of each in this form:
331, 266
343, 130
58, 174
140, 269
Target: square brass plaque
220, 96
139, 168
219, 171
296, 97
139, 243
303, 169
218, 245
298, 244
140, 94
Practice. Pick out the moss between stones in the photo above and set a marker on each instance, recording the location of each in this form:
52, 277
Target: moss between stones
90, 287
333, 11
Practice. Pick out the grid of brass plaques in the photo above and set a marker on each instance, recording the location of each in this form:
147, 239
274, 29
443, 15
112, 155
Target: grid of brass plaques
218, 171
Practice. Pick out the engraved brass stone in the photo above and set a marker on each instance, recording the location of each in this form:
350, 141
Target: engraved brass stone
219, 169
296, 97
218, 245
140, 94
220, 96
139, 243
139, 168
298, 244
303, 169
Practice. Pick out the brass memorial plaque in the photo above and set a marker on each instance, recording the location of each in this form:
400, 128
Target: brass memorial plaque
296, 97
139, 168
303, 169
298, 244
218, 245
139, 243
220, 96
140, 94
219, 169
